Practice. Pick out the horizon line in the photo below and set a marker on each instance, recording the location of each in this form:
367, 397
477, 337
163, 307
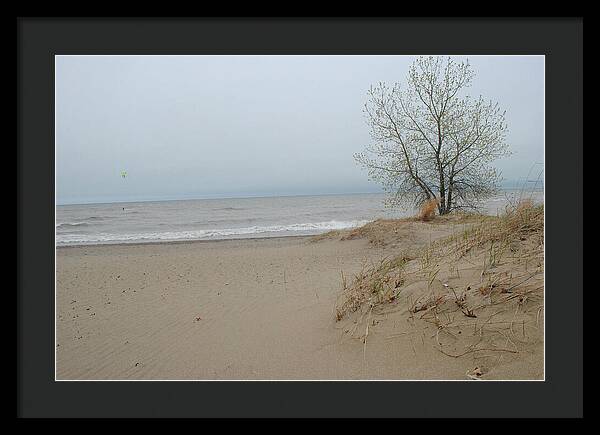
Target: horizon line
252, 196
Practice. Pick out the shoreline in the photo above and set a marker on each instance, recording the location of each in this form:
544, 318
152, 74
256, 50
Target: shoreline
184, 242
104, 236
225, 239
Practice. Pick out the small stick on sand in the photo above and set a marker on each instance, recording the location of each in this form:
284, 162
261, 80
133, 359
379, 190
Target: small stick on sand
476, 350
537, 317
284, 281
366, 335
412, 345
487, 321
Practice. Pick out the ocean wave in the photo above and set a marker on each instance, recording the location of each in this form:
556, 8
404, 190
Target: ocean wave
95, 218
229, 208
290, 229
84, 221
71, 224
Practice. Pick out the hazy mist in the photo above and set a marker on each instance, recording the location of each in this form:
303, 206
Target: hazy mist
226, 126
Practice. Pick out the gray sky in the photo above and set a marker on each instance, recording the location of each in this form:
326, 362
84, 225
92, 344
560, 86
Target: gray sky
214, 126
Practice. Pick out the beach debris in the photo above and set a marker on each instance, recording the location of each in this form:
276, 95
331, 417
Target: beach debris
475, 373
415, 309
469, 313
198, 318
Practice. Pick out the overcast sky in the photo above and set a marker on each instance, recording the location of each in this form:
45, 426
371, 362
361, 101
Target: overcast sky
227, 126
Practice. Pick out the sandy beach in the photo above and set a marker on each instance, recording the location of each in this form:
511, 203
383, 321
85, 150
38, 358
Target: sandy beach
255, 309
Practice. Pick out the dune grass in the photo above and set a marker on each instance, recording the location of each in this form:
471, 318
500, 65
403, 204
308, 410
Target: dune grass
427, 210
477, 292
372, 285
515, 236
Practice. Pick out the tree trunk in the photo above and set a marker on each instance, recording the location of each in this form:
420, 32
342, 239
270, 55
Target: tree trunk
449, 202
442, 206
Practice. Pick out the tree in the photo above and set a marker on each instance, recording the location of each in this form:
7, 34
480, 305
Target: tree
432, 142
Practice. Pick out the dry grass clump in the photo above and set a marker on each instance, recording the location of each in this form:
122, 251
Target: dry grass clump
520, 222
427, 210
372, 286
493, 237
478, 292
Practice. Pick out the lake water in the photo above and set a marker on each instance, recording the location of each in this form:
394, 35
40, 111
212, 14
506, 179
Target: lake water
206, 219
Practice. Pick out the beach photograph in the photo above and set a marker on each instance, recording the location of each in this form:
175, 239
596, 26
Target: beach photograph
299, 218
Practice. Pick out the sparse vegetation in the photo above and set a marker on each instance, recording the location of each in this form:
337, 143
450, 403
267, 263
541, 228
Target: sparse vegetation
487, 278
427, 211
383, 232
372, 286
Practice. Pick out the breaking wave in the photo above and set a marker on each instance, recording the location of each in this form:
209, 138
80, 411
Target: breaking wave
248, 232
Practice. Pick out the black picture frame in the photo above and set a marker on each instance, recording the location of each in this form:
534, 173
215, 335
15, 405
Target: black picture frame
560, 40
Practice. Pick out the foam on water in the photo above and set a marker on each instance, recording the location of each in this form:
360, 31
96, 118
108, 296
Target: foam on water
273, 230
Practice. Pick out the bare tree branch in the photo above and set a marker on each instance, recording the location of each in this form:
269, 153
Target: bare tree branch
430, 141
